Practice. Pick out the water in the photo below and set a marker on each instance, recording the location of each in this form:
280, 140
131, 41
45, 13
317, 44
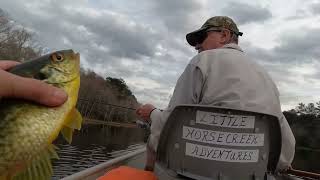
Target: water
93, 145
307, 160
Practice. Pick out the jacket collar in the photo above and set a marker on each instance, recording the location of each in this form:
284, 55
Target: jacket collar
232, 46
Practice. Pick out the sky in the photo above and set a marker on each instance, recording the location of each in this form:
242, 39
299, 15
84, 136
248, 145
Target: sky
143, 41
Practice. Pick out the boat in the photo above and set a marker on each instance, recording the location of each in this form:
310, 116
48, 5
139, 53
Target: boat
182, 156
134, 159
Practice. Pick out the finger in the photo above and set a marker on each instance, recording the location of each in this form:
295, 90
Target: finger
39, 92
139, 110
4, 64
145, 114
34, 90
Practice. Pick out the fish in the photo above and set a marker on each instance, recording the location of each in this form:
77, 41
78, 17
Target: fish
28, 129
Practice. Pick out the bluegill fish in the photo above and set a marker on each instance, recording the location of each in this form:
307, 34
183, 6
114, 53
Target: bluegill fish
27, 129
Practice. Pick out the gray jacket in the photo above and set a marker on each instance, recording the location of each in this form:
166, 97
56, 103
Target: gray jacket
227, 77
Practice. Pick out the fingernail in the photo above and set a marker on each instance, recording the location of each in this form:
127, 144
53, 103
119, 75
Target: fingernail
59, 95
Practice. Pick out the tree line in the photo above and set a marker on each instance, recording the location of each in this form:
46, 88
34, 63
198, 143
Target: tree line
108, 99
304, 121
16, 43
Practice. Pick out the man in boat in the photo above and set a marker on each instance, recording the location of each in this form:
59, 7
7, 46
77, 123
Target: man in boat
221, 74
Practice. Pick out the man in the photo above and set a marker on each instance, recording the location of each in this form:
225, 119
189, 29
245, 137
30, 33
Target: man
26, 88
221, 75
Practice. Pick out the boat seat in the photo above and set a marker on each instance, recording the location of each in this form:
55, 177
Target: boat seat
206, 142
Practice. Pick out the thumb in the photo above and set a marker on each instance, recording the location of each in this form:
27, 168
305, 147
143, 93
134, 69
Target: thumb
4, 64
31, 89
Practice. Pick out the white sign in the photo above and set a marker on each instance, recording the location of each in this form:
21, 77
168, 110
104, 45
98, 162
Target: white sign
221, 154
223, 138
225, 120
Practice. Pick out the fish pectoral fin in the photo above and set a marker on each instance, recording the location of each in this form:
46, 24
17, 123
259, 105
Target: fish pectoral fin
74, 119
40, 167
67, 133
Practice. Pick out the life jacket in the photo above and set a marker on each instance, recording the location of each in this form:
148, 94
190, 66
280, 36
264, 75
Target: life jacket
128, 173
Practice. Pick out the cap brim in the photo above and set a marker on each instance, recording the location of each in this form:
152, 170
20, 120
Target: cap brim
193, 37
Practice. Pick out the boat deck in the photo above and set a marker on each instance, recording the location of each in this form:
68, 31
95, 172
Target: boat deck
139, 161
135, 159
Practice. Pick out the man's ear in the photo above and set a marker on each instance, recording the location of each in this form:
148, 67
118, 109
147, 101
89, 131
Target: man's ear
225, 36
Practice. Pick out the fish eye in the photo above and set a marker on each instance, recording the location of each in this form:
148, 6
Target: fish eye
57, 57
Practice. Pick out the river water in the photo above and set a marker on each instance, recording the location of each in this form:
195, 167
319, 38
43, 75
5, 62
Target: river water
93, 145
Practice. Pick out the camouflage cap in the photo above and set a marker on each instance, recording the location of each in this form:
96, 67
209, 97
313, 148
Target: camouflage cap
214, 23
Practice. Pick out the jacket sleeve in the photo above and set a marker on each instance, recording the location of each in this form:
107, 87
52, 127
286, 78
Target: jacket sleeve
187, 91
288, 144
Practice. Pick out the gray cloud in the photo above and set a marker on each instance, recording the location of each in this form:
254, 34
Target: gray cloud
292, 48
307, 10
292, 69
302, 46
245, 13
146, 42
292, 65
177, 16
117, 34
315, 8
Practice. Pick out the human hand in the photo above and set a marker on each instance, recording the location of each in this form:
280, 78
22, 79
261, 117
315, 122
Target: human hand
26, 88
145, 111
150, 159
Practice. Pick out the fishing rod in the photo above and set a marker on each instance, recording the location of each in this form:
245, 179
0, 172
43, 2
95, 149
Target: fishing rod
303, 174
109, 104
141, 124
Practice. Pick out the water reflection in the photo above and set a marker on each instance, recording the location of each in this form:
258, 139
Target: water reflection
93, 145
307, 159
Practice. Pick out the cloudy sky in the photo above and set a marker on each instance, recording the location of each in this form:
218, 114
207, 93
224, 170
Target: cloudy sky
143, 41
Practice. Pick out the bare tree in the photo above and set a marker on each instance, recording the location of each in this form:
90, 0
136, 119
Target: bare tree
99, 99
16, 43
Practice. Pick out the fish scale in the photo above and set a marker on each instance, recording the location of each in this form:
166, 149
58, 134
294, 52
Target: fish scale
27, 130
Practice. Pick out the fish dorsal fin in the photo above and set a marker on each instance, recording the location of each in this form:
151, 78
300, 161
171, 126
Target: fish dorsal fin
40, 167
74, 119
67, 133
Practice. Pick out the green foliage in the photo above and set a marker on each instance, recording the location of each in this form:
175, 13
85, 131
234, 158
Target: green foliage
100, 98
308, 109
291, 116
305, 124
120, 85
